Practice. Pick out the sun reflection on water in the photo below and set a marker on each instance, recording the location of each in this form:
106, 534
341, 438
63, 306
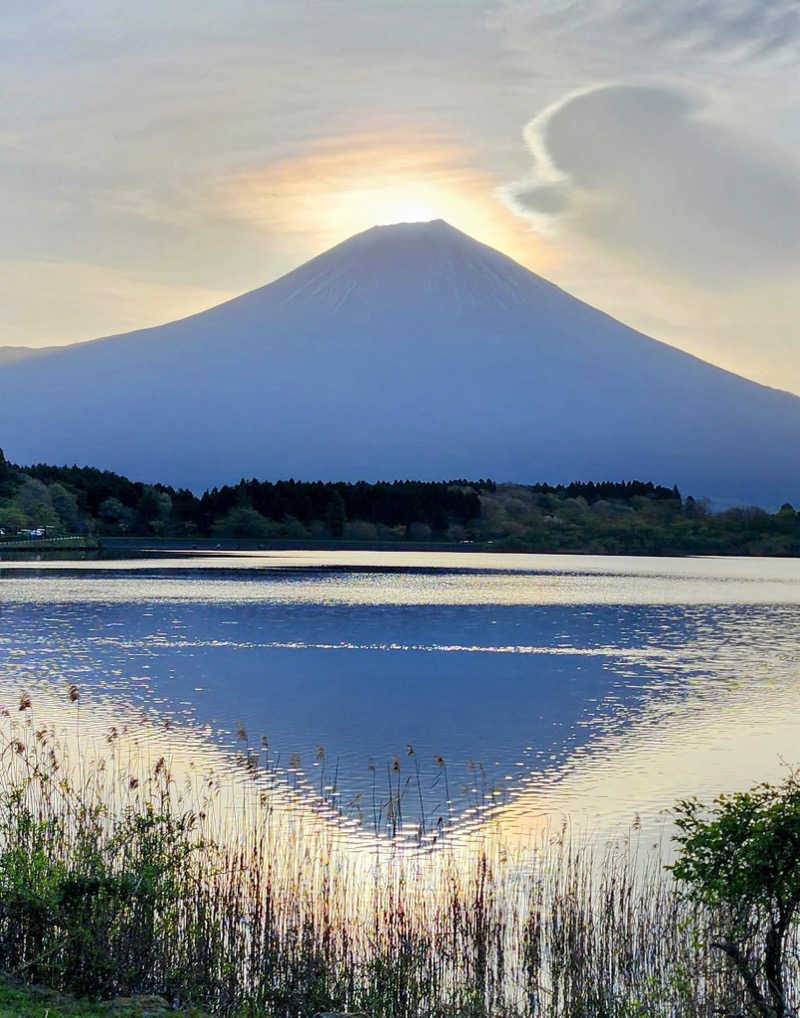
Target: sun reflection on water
704, 699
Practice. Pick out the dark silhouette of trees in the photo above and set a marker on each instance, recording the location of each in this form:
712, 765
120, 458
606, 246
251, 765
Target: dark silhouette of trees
6, 476
604, 517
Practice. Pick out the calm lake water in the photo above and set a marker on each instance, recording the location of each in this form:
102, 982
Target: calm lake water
595, 688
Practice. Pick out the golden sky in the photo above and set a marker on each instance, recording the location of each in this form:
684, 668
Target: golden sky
342, 187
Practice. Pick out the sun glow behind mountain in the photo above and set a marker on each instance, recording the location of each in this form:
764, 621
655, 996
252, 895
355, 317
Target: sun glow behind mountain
404, 208
348, 185
384, 201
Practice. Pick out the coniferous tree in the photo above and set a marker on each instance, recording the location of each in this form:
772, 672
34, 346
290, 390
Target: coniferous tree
6, 476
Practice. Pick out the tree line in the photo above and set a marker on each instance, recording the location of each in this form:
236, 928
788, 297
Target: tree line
85, 499
602, 517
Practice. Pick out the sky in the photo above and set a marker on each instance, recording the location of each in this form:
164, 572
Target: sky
157, 158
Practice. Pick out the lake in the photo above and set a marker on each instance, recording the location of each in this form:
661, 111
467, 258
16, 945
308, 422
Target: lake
432, 689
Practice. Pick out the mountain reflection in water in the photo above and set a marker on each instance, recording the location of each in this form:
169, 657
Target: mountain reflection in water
497, 690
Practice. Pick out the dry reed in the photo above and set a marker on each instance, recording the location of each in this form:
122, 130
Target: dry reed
124, 870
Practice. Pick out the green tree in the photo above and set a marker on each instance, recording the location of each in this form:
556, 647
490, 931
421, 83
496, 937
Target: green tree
12, 519
115, 516
293, 529
153, 511
33, 498
243, 521
740, 859
65, 505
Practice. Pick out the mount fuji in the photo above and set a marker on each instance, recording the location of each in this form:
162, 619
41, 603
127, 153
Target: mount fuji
407, 351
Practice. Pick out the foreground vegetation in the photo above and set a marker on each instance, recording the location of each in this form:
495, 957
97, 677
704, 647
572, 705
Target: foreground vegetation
22, 1000
122, 877
635, 517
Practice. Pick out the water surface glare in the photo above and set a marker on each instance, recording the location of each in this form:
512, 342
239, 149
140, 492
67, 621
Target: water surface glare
428, 689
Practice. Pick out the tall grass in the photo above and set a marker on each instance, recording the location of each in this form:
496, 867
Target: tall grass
122, 873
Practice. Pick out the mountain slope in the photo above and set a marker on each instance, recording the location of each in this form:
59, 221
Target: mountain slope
408, 350
14, 354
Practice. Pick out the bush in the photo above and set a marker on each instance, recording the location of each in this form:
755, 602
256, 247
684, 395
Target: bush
740, 859
85, 904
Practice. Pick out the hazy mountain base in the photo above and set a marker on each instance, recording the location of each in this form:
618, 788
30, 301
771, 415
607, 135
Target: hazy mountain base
635, 517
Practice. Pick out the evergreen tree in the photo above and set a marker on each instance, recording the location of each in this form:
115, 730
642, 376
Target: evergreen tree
6, 476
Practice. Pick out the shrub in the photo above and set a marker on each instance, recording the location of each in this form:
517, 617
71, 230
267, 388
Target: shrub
740, 859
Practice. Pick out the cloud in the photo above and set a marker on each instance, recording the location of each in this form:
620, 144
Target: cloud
722, 30
744, 29
637, 169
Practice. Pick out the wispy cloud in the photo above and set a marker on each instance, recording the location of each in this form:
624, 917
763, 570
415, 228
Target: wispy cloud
719, 30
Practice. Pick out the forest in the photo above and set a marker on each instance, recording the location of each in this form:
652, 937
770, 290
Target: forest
606, 517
